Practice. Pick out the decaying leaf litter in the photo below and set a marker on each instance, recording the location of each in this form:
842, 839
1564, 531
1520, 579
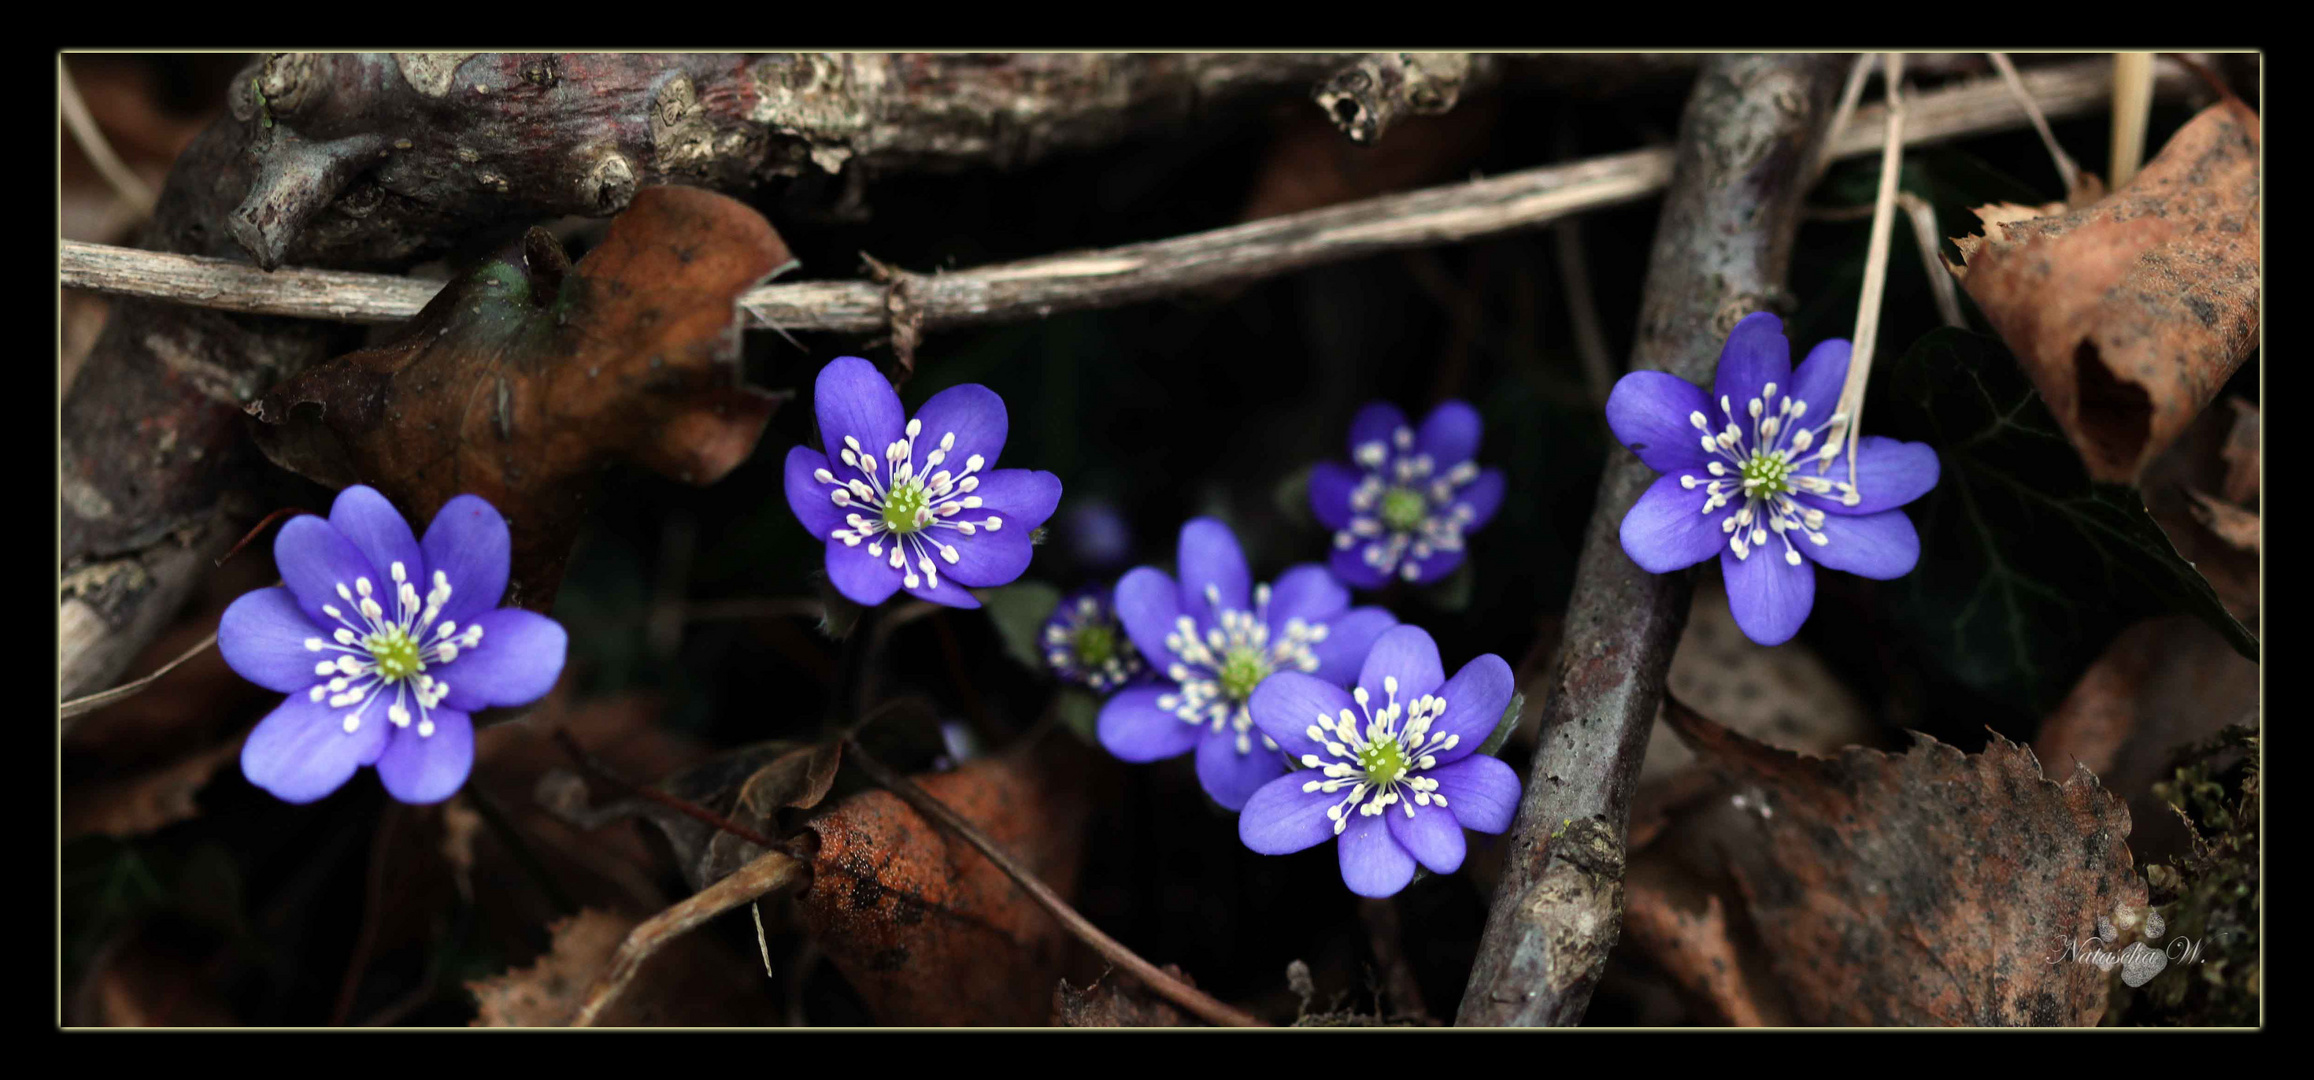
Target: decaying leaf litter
565, 864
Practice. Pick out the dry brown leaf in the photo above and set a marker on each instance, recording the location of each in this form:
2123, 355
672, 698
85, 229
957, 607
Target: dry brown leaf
2212, 456
1117, 1000
2230, 523
926, 928
149, 800
2130, 314
547, 992
692, 981
797, 779
1929, 887
140, 982
1782, 695
1683, 930
524, 379
2241, 453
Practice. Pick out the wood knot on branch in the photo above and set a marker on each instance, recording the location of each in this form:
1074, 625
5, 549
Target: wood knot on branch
903, 310
1364, 98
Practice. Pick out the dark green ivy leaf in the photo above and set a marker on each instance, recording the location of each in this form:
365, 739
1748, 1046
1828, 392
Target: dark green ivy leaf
1019, 611
1504, 726
2027, 568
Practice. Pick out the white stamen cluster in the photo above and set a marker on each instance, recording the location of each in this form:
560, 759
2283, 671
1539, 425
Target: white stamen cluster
1217, 671
1379, 761
904, 502
382, 652
1762, 467
1404, 510
1084, 642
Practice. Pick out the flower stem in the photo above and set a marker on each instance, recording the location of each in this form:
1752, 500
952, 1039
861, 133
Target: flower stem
1188, 997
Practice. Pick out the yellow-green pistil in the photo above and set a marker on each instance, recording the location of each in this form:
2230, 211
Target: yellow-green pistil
904, 509
1382, 761
395, 653
1404, 509
1095, 645
1767, 474
1242, 669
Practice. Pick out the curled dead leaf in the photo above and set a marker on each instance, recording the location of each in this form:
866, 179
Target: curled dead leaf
522, 380
2131, 313
1117, 1000
1925, 888
691, 980
926, 928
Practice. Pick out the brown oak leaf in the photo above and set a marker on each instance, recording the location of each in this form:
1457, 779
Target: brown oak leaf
2131, 313
525, 378
1930, 887
925, 927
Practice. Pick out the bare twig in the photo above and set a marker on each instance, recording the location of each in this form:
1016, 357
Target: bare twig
2132, 109
1851, 94
126, 183
1174, 990
81, 706
767, 873
2067, 171
1746, 147
1036, 288
1926, 237
1848, 419
587, 763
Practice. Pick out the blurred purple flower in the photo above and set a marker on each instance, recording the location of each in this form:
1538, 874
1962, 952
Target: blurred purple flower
1213, 637
1085, 644
376, 673
1400, 509
889, 498
1389, 767
1739, 479
1099, 535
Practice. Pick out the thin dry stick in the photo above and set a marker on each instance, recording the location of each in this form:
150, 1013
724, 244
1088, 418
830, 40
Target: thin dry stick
2132, 110
1851, 410
769, 872
1174, 990
1926, 237
1858, 74
2067, 171
125, 182
79, 706
1038, 287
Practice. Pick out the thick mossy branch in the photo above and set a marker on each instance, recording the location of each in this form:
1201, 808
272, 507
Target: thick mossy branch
1746, 147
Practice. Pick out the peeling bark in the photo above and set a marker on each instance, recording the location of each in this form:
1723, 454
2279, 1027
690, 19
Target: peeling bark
1747, 143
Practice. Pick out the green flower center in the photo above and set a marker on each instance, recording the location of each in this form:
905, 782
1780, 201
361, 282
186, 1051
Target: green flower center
1767, 474
1404, 509
901, 507
395, 653
1383, 761
1096, 645
1241, 670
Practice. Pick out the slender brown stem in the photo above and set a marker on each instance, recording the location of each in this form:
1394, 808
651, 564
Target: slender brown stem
587, 764
1188, 997
72, 711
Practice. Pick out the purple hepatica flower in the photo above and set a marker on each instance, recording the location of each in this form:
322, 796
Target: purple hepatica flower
1086, 645
1389, 766
914, 504
376, 672
1402, 508
1214, 637
1740, 481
